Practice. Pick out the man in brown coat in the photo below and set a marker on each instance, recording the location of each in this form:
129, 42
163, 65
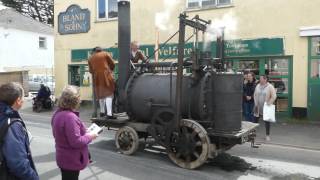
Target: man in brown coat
101, 67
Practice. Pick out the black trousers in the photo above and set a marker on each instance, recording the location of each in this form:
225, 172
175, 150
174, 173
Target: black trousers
69, 175
267, 124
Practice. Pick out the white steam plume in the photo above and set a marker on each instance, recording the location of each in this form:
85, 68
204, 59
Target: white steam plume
162, 18
228, 22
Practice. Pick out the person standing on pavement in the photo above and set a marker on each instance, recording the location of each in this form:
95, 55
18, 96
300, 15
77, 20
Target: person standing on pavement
71, 136
101, 66
16, 145
264, 93
248, 99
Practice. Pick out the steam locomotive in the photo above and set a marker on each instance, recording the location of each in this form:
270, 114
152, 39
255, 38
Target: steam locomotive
193, 109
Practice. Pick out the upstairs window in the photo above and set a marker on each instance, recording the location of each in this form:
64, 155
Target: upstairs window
42, 43
196, 4
107, 9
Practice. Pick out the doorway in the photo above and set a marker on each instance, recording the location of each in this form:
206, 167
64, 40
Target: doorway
314, 79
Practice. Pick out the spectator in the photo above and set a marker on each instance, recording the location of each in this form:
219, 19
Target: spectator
15, 148
248, 91
264, 92
71, 138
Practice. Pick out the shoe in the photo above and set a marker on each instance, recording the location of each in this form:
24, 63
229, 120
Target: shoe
102, 114
268, 138
111, 117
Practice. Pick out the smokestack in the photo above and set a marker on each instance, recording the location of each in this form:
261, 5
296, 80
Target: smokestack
220, 47
124, 39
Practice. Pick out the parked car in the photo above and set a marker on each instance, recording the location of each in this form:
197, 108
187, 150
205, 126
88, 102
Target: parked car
36, 80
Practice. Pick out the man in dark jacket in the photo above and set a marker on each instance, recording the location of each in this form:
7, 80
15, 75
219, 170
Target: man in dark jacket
15, 148
248, 101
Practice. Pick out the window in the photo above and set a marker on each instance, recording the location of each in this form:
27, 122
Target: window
194, 4
42, 43
107, 9
315, 46
315, 69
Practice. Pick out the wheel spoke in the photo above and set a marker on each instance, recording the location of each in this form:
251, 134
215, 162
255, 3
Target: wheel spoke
184, 129
196, 154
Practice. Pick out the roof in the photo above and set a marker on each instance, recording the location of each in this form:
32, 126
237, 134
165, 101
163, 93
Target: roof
10, 18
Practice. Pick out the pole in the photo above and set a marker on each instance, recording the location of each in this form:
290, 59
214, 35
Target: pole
181, 45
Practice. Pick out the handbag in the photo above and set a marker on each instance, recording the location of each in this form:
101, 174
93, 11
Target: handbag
269, 113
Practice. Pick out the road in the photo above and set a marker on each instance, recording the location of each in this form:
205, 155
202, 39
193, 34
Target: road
268, 161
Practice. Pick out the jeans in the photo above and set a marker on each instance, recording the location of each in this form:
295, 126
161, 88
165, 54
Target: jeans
248, 111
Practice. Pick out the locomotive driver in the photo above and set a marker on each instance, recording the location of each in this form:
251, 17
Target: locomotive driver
101, 66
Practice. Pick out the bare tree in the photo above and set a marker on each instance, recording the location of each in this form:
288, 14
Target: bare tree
40, 10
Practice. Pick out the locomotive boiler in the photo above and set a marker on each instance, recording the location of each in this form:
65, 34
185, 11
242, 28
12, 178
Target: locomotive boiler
189, 106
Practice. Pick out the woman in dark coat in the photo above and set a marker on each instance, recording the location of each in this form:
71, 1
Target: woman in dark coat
248, 91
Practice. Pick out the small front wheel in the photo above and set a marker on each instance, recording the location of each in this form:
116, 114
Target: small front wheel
127, 140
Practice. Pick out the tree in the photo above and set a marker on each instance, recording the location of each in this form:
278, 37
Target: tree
40, 10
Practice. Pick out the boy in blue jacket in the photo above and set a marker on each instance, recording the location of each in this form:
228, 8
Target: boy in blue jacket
15, 148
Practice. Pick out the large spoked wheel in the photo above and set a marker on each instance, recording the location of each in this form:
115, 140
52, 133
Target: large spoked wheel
189, 149
127, 140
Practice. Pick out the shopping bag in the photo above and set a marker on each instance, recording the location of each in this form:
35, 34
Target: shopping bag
269, 113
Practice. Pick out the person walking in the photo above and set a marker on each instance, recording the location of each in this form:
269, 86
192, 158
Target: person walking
15, 151
71, 136
248, 99
101, 66
264, 93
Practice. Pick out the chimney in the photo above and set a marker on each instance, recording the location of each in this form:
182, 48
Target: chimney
124, 40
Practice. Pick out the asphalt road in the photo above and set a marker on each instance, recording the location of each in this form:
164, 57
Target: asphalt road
268, 161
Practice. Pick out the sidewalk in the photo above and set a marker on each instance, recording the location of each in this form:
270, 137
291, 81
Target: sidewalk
294, 133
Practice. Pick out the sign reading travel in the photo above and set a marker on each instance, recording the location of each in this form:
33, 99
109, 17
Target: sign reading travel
75, 20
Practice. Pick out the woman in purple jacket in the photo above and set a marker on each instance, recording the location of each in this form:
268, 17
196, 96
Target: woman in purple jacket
71, 137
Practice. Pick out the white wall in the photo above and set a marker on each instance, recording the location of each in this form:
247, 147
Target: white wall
21, 48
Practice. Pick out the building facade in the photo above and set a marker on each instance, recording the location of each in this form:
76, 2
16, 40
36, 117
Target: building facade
277, 38
24, 41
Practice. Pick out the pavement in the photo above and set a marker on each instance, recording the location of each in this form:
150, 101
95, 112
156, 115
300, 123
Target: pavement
285, 132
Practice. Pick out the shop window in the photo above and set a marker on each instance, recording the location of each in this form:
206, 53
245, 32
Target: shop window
280, 84
107, 9
249, 66
315, 46
79, 75
194, 4
277, 67
42, 43
74, 75
315, 69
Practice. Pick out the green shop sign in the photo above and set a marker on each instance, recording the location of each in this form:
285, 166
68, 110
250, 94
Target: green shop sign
233, 48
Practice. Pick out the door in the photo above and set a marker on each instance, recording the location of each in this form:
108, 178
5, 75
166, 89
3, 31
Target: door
314, 91
314, 80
